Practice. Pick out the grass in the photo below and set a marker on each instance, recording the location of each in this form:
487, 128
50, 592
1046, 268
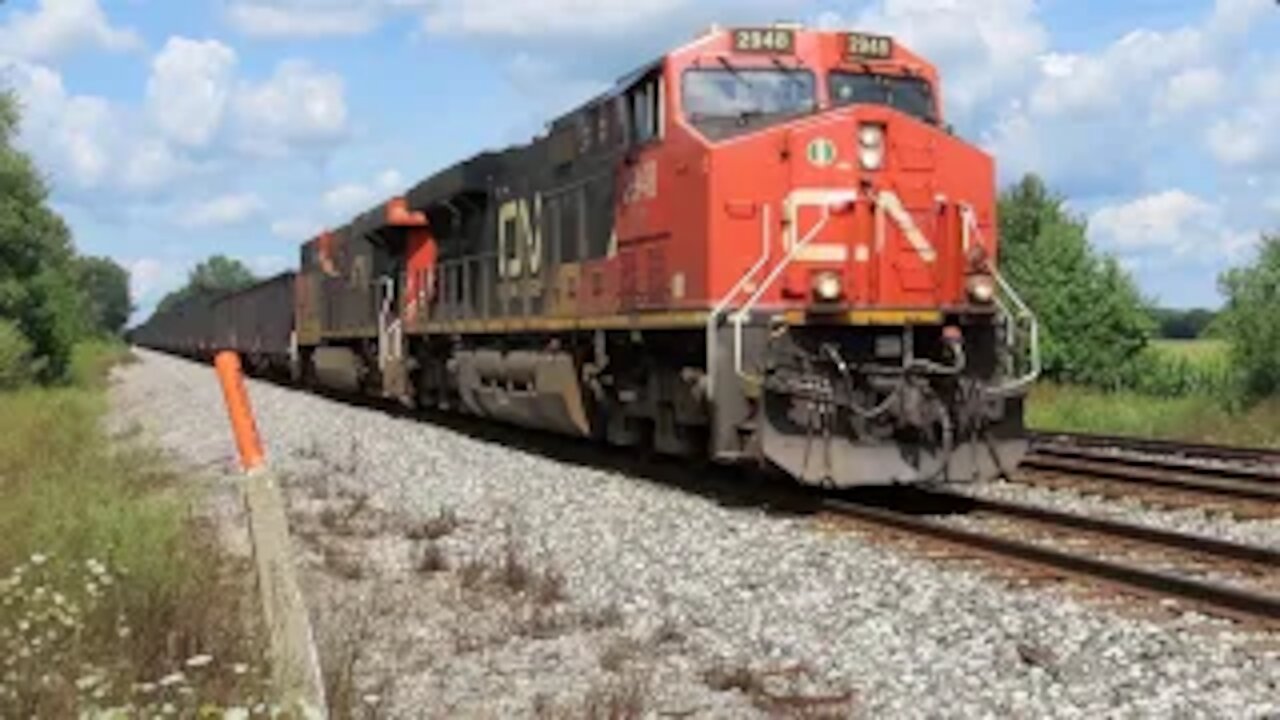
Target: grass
1184, 391
1192, 417
1203, 350
77, 508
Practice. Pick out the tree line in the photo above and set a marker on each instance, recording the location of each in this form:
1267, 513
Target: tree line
1097, 326
50, 296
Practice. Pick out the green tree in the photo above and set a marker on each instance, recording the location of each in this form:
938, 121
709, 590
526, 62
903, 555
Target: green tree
1251, 319
38, 290
106, 289
15, 356
1094, 322
215, 276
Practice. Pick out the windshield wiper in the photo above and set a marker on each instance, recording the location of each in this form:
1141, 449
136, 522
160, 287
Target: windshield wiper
789, 75
736, 73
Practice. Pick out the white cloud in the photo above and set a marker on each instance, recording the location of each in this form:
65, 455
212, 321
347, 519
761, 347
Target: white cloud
1247, 136
346, 200
518, 18
505, 18
299, 106
985, 48
1134, 104
234, 209
189, 88
1171, 221
59, 27
1191, 89
147, 276
1154, 221
86, 142
304, 18
296, 229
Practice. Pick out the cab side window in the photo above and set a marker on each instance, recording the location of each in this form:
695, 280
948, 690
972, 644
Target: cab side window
645, 107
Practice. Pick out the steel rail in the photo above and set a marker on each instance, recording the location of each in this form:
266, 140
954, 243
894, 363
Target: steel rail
1121, 469
1222, 599
1222, 549
1157, 447
1176, 463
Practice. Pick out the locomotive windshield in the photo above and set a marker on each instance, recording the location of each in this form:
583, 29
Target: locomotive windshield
728, 101
910, 95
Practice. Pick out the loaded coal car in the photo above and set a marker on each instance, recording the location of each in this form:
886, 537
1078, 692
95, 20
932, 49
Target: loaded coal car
765, 247
258, 323
185, 329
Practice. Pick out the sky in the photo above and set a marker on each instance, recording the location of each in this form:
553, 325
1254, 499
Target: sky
171, 130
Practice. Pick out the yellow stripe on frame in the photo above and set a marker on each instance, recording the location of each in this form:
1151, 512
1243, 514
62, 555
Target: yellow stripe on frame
867, 317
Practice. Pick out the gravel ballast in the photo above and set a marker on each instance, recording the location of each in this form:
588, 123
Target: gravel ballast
468, 579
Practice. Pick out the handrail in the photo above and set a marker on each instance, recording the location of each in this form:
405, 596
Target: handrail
713, 320
744, 312
1022, 312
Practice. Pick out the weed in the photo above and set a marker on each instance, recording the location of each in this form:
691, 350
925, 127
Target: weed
342, 648
432, 560
342, 561
100, 537
620, 652
1195, 418
774, 691
617, 698
440, 526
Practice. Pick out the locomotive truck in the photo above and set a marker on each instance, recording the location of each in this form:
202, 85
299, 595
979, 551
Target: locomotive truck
765, 247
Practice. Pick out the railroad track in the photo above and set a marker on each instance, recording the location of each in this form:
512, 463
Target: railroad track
1203, 561
1248, 482
1220, 578
1166, 448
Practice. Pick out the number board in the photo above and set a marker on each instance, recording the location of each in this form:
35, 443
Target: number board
870, 47
764, 40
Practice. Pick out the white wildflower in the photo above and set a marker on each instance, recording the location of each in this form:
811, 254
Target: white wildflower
235, 713
145, 688
124, 633
174, 679
199, 661
240, 669
87, 682
371, 699
39, 559
169, 709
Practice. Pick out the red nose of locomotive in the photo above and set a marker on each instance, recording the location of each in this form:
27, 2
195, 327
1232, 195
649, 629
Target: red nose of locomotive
887, 349
880, 212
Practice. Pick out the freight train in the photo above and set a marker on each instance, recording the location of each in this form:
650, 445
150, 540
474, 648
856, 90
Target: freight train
765, 247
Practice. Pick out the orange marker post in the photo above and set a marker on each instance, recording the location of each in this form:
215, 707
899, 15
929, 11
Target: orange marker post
242, 424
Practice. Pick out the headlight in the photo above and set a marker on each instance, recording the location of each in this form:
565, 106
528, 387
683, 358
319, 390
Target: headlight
871, 136
871, 158
827, 287
982, 288
871, 146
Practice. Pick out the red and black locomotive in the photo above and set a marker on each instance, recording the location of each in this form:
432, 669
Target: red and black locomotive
764, 247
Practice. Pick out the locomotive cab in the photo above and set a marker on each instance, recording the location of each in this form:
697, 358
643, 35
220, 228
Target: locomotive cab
861, 331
